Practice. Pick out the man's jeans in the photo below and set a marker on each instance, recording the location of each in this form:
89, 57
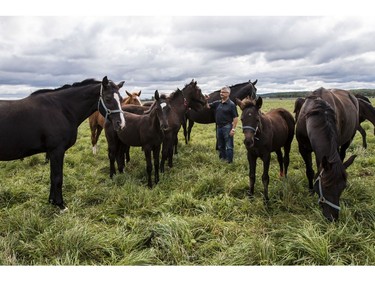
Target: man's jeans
225, 143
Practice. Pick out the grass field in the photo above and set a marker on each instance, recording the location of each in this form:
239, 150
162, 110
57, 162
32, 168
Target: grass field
198, 214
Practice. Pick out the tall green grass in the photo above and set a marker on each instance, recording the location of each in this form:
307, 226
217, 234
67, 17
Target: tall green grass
198, 214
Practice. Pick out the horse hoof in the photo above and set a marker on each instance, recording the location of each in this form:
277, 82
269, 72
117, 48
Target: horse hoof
64, 210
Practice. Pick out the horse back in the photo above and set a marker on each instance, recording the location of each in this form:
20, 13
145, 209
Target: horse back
34, 128
281, 123
346, 109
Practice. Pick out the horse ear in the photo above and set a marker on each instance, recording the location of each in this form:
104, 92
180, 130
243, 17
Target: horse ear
254, 82
105, 81
259, 102
121, 84
139, 93
129, 94
156, 95
348, 162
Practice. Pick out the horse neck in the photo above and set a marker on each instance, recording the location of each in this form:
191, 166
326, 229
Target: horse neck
79, 103
153, 119
177, 103
367, 111
323, 138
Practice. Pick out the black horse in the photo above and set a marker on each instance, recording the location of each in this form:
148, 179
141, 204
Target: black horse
326, 124
48, 120
366, 112
207, 115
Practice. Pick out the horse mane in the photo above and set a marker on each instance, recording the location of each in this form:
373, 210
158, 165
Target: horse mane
326, 117
174, 94
244, 91
326, 120
66, 86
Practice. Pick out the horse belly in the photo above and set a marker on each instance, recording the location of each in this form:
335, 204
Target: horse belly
16, 146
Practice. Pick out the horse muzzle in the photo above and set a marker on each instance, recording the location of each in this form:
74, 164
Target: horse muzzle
248, 142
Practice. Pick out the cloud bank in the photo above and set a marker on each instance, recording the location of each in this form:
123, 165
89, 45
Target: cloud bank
149, 53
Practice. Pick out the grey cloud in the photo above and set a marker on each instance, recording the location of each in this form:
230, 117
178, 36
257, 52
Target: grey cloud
167, 52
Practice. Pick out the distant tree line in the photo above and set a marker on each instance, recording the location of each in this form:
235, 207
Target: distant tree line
366, 92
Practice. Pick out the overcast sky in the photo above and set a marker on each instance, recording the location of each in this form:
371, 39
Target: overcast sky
284, 53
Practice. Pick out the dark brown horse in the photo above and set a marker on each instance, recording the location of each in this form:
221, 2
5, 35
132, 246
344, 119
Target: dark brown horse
366, 112
47, 121
190, 97
96, 120
207, 115
326, 126
145, 130
265, 133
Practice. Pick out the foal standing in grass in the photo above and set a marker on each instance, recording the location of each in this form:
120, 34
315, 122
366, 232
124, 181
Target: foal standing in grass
265, 133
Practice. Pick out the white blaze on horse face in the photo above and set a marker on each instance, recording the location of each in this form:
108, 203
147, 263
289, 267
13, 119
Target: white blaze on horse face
163, 104
117, 98
138, 99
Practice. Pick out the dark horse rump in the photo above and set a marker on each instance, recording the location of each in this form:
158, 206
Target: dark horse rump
47, 121
326, 124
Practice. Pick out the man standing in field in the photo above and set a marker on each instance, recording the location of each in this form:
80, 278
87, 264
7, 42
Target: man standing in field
226, 118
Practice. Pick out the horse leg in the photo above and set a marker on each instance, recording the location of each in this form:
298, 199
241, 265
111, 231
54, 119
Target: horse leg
265, 177
175, 143
280, 160
363, 133
147, 152
98, 132
252, 168
191, 124
120, 157
184, 128
56, 175
306, 155
164, 155
113, 143
127, 154
156, 155
286, 157
343, 149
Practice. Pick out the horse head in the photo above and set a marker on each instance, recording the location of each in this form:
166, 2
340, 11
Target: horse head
250, 118
110, 103
133, 98
162, 110
330, 184
248, 90
193, 95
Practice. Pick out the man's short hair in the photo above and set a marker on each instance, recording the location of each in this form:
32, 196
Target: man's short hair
225, 89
